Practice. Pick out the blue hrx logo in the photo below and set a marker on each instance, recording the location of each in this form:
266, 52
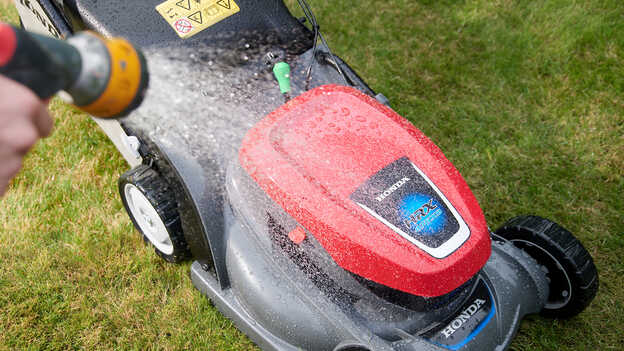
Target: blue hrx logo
422, 214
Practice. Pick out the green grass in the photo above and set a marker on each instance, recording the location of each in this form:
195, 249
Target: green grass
525, 97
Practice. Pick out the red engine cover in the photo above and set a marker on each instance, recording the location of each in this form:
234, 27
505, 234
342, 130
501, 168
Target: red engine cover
324, 157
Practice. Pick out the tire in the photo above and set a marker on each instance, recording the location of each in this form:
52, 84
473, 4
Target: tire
570, 269
152, 207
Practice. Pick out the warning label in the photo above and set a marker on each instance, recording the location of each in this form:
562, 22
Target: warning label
189, 17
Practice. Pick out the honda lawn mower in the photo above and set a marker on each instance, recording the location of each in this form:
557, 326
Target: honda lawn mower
317, 217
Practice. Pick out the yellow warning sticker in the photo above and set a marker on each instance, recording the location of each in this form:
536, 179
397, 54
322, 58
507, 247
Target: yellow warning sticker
189, 17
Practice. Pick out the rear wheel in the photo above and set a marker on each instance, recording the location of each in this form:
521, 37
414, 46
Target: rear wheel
151, 204
572, 275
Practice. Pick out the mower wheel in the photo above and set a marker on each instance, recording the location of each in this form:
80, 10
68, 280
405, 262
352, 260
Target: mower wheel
570, 269
152, 206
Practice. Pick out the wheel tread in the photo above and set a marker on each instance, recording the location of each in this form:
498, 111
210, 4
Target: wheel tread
160, 194
571, 254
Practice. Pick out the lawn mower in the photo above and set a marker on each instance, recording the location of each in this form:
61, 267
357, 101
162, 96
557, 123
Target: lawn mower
316, 217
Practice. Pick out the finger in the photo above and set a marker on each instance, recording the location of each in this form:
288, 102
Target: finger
17, 101
18, 137
43, 122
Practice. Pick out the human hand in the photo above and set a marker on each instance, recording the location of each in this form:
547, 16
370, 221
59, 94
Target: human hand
24, 119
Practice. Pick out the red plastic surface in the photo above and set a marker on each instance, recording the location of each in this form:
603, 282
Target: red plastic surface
8, 43
313, 152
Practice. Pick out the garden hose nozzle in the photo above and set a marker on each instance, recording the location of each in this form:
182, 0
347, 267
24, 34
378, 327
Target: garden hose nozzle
105, 77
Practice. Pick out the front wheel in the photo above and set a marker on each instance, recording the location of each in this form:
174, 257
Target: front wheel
571, 273
151, 204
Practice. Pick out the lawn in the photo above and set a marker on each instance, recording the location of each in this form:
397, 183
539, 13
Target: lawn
526, 98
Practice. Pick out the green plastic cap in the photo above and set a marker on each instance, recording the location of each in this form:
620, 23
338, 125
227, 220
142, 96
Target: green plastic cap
281, 70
